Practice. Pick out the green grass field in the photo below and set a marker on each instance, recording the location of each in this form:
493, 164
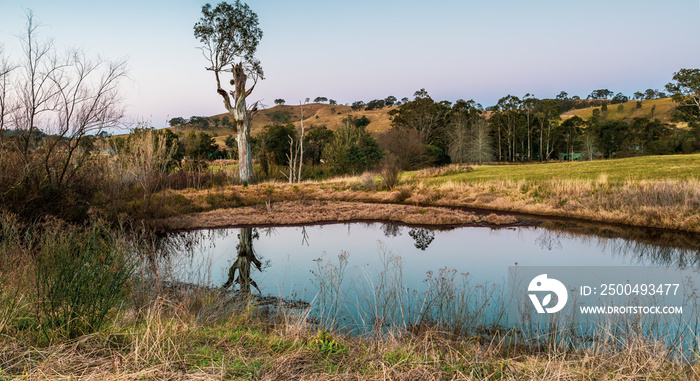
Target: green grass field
677, 167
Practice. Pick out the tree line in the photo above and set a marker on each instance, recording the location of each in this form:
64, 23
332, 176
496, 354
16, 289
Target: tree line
426, 132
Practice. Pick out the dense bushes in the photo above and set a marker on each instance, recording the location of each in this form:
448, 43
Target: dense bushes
28, 190
352, 150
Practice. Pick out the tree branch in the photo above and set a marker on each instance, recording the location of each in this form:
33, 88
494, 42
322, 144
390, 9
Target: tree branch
222, 92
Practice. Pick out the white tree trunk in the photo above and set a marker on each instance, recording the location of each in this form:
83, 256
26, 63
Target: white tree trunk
301, 142
242, 118
242, 121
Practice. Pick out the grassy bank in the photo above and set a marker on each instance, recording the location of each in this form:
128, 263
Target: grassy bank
174, 339
652, 191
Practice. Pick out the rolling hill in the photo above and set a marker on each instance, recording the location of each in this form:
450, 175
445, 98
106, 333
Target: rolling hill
315, 114
662, 110
331, 116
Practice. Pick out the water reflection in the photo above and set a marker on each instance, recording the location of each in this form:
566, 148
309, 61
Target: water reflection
481, 251
642, 246
422, 237
549, 239
384, 277
242, 264
391, 230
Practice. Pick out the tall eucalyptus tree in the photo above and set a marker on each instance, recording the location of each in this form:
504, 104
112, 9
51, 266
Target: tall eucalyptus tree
230, 36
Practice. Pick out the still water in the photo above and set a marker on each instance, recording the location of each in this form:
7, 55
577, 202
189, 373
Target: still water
290, 254
360, 276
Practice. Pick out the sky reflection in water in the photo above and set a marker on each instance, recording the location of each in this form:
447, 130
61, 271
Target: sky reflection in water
289, 253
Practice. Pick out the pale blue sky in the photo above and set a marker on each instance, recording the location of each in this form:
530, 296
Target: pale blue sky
361, 50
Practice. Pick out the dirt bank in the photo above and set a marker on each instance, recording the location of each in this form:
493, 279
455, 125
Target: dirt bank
305, 212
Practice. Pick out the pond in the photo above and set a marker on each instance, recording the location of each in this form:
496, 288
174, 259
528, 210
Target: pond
360, 275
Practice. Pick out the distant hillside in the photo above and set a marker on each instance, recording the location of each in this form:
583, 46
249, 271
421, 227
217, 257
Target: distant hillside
315, 114
663, 110
319, 114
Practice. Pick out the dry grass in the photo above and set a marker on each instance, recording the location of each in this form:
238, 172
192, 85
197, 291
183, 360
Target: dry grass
663, 202
447, 170
305, 212
223, 339
662, 111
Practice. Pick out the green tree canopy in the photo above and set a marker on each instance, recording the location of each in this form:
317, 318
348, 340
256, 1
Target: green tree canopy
352, 150
424, 115
357, 105
274, 140
177, 121
685, 88
316, 140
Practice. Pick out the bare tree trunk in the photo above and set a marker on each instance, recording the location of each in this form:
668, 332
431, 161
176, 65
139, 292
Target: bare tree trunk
529, 137
541, 135
292, 160
245, 158
550, 144
500, 155
5, 69
242, 119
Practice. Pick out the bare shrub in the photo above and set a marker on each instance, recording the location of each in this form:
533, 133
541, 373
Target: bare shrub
406, 145
54, 103
144, 161
391, 171
470, 141
368, 182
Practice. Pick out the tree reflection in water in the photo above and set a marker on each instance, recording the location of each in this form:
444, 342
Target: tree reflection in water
641, 245
422, 237
242, 265
391, 230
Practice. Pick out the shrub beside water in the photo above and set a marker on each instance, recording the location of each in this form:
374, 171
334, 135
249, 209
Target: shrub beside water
59, 278
81, 273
